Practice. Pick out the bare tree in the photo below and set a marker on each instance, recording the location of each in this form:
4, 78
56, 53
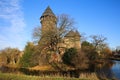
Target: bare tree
49, 39
37, 34
83, 37
64, 24
100, 46
98, 42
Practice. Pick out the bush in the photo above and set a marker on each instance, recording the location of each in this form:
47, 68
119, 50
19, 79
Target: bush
26, 59
80, 61
75, 58
68, 56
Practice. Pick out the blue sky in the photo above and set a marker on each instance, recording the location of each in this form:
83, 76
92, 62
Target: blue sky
18, 18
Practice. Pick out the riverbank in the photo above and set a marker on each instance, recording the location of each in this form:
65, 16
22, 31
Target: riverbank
112, 58
10, 76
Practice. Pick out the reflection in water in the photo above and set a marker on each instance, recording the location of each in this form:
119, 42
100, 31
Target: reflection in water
108, 69
116, 69
104, 71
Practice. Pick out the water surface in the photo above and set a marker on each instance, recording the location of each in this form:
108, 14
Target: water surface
116, 69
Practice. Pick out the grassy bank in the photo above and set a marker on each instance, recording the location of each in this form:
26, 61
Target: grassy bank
9, 76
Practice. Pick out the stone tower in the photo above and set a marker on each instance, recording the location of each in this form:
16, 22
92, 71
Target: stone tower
72, 39
48, 20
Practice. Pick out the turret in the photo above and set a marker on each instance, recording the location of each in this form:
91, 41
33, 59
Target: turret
72, 39
48, 19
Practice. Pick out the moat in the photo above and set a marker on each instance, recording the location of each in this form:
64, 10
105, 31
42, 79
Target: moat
116, 69
110, 70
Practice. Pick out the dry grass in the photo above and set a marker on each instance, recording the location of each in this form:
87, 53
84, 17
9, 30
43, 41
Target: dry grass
9, 76
42, 68
91, 76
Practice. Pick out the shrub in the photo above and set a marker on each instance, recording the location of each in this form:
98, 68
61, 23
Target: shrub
68, 56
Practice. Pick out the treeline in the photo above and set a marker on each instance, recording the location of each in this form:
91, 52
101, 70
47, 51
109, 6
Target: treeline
90, 51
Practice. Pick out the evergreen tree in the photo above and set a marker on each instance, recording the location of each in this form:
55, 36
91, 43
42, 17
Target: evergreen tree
68, 56
26, 59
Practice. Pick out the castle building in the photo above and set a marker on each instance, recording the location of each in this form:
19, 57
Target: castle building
48, 21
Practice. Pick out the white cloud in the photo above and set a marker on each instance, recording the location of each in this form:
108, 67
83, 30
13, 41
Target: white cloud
12, 34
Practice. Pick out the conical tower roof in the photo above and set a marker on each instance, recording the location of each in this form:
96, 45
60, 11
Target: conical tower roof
72, 34
48, 12
77, 33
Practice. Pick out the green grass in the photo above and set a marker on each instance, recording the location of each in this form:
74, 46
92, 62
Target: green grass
10, 76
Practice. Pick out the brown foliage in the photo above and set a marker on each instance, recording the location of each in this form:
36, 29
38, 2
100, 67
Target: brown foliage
10, 56
80, 61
